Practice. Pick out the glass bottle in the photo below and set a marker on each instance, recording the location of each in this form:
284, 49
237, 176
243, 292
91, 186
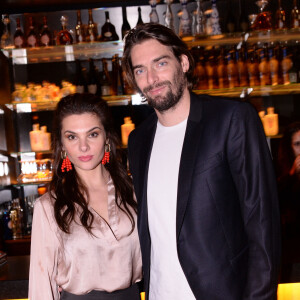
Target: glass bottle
263, 19
106, 84
286, 65
274, 64
92, 31
46, 36
222, 70
79, 30
6, 40
232, 70
215, 20
117, 84
280, 17
253, 68
242, 67
230, 20
169, 18
32, 38
125, 26
295, 16
200, 75
92, 78
19, 38
108, 30
185, 24
212, 71
264, 68
243, 19
64, 37
80, 82
153, 14
140, 20
199, 20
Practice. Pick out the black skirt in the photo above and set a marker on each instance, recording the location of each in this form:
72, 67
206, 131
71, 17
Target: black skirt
131, 293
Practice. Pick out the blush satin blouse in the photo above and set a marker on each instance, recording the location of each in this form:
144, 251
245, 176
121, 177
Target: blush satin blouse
79, 262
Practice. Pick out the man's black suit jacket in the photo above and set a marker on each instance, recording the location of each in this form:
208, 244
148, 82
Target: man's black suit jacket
227, 222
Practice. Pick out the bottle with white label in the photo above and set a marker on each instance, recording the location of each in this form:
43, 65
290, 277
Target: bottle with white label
126, 128
185, 23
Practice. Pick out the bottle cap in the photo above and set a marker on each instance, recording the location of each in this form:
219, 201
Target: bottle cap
36, 127
44, 128
127, 120
270, 110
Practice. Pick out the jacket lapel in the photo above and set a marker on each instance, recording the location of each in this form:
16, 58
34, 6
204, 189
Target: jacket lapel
188, 156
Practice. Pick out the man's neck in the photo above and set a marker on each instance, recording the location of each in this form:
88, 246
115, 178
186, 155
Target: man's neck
176, 114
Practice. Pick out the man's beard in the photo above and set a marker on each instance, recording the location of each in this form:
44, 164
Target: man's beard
164, 103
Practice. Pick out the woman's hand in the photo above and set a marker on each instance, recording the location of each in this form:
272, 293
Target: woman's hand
296, 166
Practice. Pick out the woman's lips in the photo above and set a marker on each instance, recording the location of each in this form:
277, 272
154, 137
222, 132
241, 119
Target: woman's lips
85, 158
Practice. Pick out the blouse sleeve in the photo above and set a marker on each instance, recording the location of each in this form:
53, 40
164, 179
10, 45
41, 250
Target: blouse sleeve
44, 253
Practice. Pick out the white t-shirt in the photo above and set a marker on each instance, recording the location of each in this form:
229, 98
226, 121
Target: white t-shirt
167, 280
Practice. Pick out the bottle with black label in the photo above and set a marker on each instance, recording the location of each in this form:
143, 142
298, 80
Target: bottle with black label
46, 36
19, 38
125, 25
32, 37
80, 81
140, 20
64, 37
108, 30
80, 36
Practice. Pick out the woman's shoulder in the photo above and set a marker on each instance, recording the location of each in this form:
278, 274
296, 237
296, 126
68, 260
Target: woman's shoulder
46, 201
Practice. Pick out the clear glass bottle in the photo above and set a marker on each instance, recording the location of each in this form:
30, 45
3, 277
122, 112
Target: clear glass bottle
125, 26
32, 37
140, 20
153, 14
169, 18
280, 17
6, 40
19, 37
92, 32
46, 36
64, 37
215, 20
108, 30
185, 23
295, 16
199, 21
79, 30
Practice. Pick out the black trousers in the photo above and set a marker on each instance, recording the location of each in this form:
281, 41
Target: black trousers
131, 293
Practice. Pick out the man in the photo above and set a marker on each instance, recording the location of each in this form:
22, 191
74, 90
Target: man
208, 215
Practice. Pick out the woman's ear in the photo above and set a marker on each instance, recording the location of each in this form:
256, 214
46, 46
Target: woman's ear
185, 64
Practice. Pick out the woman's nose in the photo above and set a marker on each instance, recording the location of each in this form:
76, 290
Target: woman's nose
84, 146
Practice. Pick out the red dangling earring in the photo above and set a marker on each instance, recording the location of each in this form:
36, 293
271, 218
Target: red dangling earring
66, 164
106, 156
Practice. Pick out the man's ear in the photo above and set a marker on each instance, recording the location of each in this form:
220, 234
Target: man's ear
185, 64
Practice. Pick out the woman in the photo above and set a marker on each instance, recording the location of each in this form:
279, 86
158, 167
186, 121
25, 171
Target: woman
289, 196
84, 237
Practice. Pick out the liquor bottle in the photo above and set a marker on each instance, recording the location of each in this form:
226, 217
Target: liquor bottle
153, 14
230, 20
212, 71
286, 65
243, 19
280, 17
80, 81
140, 20
125, 26
106, 84
295, 16
64, 37
169, 18
92, 78
117, 84
253, 68
92, 32
185, 24
79, 31
242, 67
6, 40
222, 70
32, 37
46, 36
108, 30
215, 21
232, 70
19, 38
274, 64
264, 68
199, 21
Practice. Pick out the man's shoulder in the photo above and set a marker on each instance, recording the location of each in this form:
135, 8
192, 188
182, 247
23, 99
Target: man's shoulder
149, 122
